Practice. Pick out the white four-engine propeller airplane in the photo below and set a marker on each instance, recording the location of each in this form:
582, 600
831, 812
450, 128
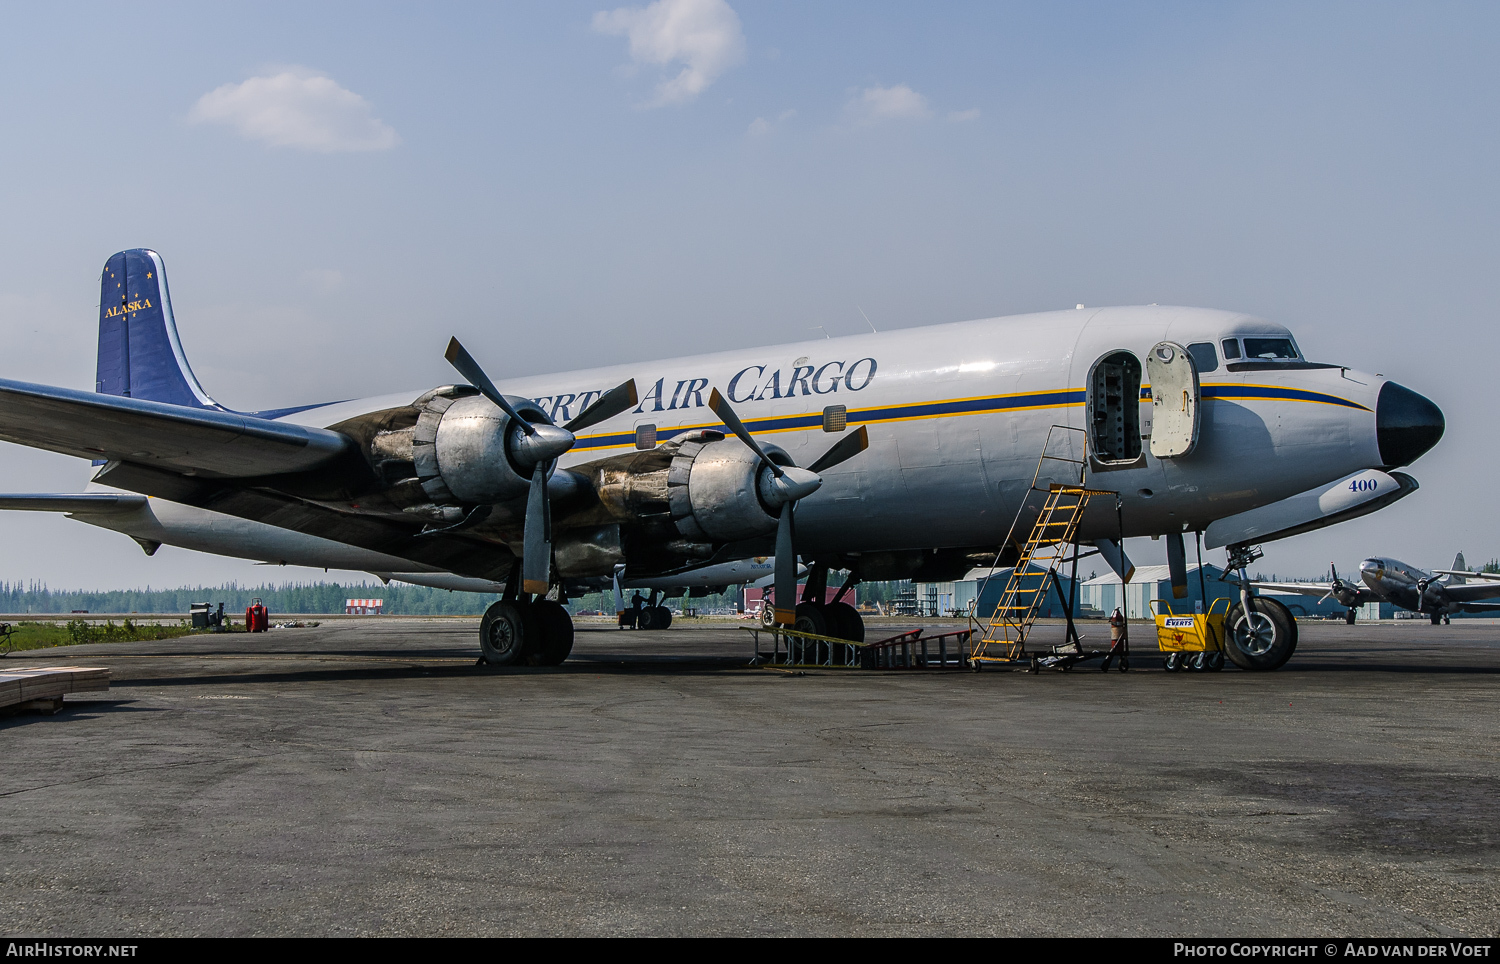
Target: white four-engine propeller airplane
1437, 594
1199, 420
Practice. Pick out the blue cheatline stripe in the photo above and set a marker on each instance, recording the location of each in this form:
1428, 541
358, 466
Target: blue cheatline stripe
893, 413
1241, 391
967, 406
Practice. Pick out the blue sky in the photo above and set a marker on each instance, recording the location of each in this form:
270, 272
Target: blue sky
526, 177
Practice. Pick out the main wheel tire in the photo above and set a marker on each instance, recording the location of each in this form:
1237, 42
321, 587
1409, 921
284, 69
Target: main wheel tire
844, 622
663, 618
1349, 618
508, 632
1437, 619
645, 618
556, 632
812, 618
1264, 643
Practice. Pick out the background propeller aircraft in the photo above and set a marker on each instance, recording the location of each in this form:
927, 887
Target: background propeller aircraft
1198, 420
1439, 594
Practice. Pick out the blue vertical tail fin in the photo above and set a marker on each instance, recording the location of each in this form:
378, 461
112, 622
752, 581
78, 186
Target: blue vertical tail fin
140, 355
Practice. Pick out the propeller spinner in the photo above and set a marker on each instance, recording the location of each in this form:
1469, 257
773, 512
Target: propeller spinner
783, 486
538, 445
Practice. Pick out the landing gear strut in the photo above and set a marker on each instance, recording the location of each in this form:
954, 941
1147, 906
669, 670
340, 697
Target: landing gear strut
1260, 633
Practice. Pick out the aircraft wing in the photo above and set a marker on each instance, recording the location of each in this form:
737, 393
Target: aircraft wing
1305, 588
1471, 591
1479, 607
201, 441
1317, 589
87, 502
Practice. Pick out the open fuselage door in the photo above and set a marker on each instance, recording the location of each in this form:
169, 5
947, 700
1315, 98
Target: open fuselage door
1174, 400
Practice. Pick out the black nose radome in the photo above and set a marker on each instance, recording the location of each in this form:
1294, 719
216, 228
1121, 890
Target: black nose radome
1406, 425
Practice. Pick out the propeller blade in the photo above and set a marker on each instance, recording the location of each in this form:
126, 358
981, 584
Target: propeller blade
845, 449
726, 415
536, 557
459, 358
606, 406
786, 569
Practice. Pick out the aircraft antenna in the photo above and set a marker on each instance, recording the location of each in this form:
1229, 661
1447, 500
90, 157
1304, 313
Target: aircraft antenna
867, 319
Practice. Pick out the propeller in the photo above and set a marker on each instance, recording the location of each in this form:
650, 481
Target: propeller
538, 445
781, 486
1338, 588
1422, 593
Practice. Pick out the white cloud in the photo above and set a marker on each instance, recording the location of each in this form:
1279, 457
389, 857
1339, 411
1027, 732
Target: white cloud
297, 108
762, 126
703, 35
889, 103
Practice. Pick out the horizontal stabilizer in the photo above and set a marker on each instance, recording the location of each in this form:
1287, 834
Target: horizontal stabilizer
88, 502
203, 441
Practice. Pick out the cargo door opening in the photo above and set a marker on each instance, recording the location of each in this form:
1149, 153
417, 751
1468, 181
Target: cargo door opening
1114, 407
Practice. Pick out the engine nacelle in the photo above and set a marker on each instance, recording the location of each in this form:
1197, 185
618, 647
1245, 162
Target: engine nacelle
702, 483
459, 447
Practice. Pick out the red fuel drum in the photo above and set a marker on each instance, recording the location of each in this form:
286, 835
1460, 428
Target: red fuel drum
257, 620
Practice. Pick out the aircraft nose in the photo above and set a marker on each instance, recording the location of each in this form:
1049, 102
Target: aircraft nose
1406, 425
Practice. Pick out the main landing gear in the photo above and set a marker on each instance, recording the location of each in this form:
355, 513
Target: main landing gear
837, 619
653, 615
521, 630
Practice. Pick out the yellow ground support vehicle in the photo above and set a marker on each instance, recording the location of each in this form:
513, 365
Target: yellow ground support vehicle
1192, 641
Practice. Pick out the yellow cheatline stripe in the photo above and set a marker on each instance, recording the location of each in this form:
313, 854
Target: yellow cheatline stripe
873, 421
1328, 400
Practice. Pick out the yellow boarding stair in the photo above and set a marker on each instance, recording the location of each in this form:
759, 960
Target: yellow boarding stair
1025, 592
1055, 530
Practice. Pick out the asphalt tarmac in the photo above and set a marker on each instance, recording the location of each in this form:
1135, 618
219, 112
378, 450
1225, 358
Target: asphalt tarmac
365, 778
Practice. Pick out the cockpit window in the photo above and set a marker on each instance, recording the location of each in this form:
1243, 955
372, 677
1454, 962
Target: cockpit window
1231, 349
1270, 348
1205, 359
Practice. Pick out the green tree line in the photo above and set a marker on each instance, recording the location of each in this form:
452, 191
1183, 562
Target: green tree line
294, 598
310, 598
